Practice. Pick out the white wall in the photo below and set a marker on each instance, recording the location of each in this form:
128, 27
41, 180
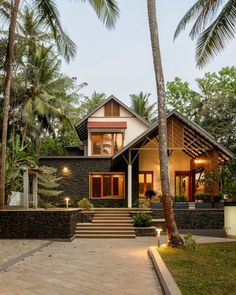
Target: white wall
134, 125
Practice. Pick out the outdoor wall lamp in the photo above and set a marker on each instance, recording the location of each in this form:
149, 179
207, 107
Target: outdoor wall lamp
65, 170
158, 230
67, 202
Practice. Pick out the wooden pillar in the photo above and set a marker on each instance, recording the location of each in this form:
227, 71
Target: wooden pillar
35, 190
26, 188
212, 166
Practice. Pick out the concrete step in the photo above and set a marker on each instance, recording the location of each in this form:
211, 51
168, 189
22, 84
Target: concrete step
111, 214
106, 224
104, 236
111, 218
112, 221
95, 227
118, 231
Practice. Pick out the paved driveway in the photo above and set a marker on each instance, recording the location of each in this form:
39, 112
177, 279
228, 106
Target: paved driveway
84, 267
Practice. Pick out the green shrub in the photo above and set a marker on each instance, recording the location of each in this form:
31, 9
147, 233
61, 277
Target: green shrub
142, 219
85, 204
206, 197
218, 197
180, 198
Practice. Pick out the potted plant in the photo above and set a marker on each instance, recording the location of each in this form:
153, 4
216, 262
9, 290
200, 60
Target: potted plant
217, 200
142, 224
149, 194
180, 202
202, 201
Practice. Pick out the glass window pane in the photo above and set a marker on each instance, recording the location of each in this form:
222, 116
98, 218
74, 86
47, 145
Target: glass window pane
115, 186
148, 178
96, 187
107, 140
141, 178
106, 186
117, 141
97, 144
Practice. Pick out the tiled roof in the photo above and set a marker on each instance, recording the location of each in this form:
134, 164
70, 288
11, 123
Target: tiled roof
107, 125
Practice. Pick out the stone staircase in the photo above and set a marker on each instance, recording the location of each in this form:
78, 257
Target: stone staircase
107, 223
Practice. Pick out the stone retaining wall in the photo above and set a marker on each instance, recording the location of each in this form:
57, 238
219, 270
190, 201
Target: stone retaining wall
195, 219
38, 224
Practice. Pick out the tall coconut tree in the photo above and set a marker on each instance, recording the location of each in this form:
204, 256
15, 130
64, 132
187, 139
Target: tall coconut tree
214, 26
174, 239
106, 10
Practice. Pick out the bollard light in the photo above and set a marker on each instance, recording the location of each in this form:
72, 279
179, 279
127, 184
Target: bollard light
158, 236
67, 202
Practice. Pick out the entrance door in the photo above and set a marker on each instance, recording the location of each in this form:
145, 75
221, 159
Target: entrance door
182, 184
145, 182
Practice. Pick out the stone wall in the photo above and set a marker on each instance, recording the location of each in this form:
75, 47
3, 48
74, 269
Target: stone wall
38, 224
195, 219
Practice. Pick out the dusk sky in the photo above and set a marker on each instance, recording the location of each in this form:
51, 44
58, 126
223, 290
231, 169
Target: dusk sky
119, 61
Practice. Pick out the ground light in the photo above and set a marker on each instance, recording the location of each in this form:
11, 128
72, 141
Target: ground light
67, 202
158, 236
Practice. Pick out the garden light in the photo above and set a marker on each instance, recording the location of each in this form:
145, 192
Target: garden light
67, 202
158, 236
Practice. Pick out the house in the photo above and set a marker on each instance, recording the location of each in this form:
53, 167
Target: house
120, 160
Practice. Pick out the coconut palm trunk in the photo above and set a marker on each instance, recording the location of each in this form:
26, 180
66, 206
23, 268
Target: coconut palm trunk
6, 96
174, 240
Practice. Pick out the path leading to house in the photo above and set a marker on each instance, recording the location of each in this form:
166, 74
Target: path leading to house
84, 267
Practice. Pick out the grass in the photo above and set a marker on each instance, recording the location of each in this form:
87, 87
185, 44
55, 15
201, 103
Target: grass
209, 270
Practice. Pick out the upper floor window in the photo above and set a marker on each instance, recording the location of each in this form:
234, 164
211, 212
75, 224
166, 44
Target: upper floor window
112, 109
106, 144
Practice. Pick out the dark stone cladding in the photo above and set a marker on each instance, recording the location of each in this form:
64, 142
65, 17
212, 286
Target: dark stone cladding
195, 219
38, 224
76, 184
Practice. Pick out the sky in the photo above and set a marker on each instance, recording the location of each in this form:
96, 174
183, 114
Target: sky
119, 61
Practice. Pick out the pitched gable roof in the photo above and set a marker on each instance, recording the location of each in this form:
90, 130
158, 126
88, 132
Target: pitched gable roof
81, 127
205, 139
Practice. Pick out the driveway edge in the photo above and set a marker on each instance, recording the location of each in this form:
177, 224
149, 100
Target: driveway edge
167, 282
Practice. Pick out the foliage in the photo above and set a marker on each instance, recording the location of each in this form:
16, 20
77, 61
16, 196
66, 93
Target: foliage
180, 198
180, 97
214, 263
150, 194
140, 105
189, 243
213, 107
140, 204
142, 219
206, 197
47, 181
90, 103
213, 27
85, 204
16, 157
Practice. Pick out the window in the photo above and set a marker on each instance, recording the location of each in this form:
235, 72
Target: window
112, 109
108, 185
106, 143
145, 182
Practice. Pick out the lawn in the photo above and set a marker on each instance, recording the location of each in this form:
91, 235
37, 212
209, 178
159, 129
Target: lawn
209, 270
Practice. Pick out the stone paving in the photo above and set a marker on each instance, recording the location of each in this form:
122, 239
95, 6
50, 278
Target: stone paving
84, 267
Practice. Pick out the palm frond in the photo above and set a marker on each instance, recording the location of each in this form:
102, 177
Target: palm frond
202, 10
106, 10
49, 14
214, 38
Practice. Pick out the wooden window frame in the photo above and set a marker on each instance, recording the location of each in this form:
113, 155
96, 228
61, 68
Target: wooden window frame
112, 142
145, 182
101, 175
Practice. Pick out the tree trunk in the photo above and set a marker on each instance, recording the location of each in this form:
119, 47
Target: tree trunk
174, 239
6, 97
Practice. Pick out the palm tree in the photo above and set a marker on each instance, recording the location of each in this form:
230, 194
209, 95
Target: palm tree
106, 10
214, 25
174, 238
90, 103
140, 105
